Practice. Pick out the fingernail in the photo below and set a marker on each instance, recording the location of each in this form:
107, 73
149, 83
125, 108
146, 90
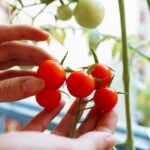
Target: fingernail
111, 141
32, 86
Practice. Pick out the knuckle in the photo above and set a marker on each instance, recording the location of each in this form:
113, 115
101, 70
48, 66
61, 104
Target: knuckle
5, 90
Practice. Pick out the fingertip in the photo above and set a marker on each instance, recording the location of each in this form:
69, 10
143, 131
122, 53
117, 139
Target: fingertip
111, 141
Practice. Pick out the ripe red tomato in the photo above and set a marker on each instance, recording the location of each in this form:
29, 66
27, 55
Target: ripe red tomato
48, 99
80, 84
101, 72
105, 98
52, 73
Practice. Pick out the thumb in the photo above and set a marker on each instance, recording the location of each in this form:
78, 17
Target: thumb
19, 88
98, 140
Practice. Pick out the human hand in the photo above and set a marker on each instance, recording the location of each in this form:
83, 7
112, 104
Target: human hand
19, 84
94, 134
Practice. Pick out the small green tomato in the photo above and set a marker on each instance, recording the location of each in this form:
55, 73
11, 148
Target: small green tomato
64, 12
89, 13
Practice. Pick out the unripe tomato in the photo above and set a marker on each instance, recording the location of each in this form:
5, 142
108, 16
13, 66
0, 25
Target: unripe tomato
80, 84
101, 72
52, 73
48, 99
105, 98
89, 13
64, 12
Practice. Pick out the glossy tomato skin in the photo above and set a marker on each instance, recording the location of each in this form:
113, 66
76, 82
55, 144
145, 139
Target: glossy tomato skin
89, 13
101, 72
52, 73
105, 98
64, 12
48, 99
80, 84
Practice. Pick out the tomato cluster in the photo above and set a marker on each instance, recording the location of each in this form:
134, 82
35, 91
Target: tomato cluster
80, 84
87, 13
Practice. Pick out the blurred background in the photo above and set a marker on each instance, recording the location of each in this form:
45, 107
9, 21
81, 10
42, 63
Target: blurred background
105, 40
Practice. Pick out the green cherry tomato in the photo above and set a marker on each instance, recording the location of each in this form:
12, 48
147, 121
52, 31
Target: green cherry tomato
64, 12
89, 13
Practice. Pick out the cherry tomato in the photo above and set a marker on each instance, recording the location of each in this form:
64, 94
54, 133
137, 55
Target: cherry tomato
80, 84
103, 73
48, 99
105, 98
52, 73
64, 12
89, 13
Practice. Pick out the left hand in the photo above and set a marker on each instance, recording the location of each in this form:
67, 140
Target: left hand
20, 84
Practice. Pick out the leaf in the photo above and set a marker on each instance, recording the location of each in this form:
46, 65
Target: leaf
68, 70
116, 48
62, 61
94, 56
59, 35
90, 69
47, 1
93, 39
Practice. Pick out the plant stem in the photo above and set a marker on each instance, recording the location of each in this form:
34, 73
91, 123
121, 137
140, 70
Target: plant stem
126, 76
148, 3
73, 133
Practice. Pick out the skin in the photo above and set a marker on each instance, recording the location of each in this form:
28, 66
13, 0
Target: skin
96, 133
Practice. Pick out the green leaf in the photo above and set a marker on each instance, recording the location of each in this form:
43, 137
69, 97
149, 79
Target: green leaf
116, 48
64, 58
93, 39
68, 70
90, 69
94, 56
59, 35
99, 80
47, 1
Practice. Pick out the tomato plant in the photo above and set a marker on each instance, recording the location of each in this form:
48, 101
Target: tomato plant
89, 13
80, 84
101, 72
105, 98
48, 99
52, 73
64, 12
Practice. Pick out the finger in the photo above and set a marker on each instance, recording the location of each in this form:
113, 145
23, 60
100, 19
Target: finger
107, 122
90, 121
19, 51
41, 121
96, 141
21, 32
64, 128
19, 88
16, 73
16, 62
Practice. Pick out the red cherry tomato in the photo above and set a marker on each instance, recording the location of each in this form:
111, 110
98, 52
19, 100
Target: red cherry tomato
52, 73
48, 99
80, 84
105, 98
101, 72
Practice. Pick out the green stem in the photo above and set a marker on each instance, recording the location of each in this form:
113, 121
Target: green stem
33, 19
126, 76
148, 3
76, 120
